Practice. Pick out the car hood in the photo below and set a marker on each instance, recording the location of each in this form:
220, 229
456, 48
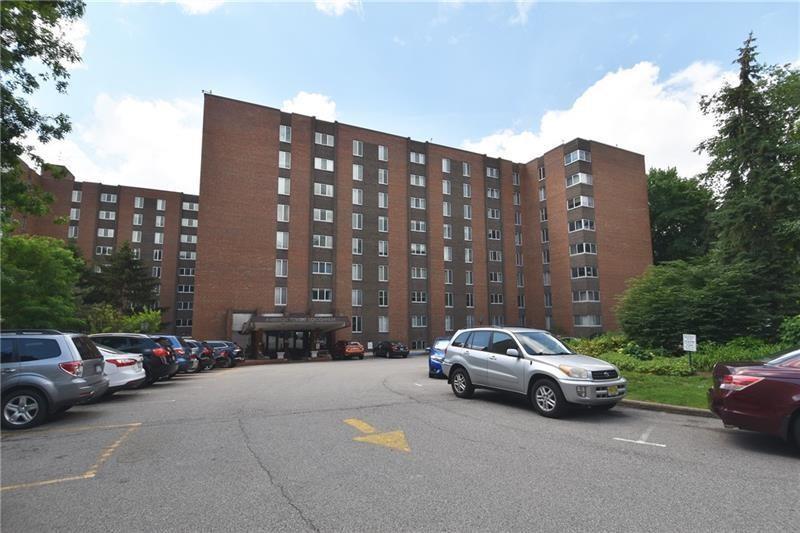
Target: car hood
582, 361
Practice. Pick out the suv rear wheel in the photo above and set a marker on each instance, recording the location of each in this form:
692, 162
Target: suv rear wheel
24, 408
461, 384
547, 398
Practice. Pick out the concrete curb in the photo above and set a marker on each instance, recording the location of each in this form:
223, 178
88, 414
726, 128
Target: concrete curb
667, 408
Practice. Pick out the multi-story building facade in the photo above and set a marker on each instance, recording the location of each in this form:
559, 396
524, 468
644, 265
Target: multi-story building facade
328, 223
161, 227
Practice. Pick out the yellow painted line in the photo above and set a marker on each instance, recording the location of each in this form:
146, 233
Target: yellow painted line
395, 440
38, 432
360, 425
106, 454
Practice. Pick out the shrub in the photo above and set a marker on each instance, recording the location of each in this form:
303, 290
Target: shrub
661, 366
736, 351
790, 330
594, 347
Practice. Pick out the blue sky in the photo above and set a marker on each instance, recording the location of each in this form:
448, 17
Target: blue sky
506, 78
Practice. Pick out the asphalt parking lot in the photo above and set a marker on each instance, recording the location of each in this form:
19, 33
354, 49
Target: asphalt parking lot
376, 445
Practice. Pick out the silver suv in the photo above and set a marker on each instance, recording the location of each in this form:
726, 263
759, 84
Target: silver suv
530, 362
45, 372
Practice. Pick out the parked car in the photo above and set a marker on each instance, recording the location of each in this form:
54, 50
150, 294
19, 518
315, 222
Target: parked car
186, 363
158, 361
203, 355
533, 363
760, 396
389, 349
238, 353
436, 356
207, 355
223, 355
347, 349
124, 370
45, 372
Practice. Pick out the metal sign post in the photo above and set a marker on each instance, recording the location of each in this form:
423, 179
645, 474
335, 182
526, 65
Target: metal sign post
689, 346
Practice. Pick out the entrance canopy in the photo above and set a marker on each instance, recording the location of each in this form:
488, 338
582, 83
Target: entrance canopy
318, 324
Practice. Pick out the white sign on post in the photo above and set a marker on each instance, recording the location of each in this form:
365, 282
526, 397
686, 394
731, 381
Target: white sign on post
689, 342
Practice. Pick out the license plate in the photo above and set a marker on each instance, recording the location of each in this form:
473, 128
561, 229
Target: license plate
612, 390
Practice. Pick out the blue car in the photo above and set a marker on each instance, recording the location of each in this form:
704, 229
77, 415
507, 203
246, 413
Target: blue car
436, 355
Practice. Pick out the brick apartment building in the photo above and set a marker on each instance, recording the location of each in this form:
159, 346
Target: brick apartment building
307, 225
161, 227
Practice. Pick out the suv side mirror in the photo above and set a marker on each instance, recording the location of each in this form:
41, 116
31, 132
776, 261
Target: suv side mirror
512, 352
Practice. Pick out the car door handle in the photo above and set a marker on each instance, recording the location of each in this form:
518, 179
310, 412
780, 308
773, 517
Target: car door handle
466, 352
9, 370
492, 357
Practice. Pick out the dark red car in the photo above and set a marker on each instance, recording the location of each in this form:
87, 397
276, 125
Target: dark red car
762, 397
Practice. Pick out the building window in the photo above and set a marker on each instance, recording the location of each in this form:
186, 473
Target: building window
418, 248
320, 189
492, 172
107, 215
355, 324
73, 232
592, 321
383, 224
383, 324
358, 172
448, 299
77, 196
445, 165
358, 196
467, 212
448, 323
108, 198
517, 198
138, 218
281, 268
284, 159
188, 239
358, 148
158, 254
419, 297
322, 241
518, 255
417, 180
584, 272
189, 222
281, 295
496, 298
419, 321
358, 221
493, 194
447, 231
418, 226
447, 209
580, 177
186, 305
495, 256
545, 235
383, 248
383, 153
104, 250
160, 221
321, 295
186, 272
583, 248
548, 299
543, 214
468, 255
358, 246
493, 213
419, 273
357, 272
383, 298
284, 186
323, 215
322, 267
470, 321
285, 133
585, 224
448, 253
468, 277
498, 320
542, 193
580, 201
496, 277
585, 296
323, 139
136, 236
546, 279
494, 234
416, 157
156, 272
383, 273
417, 203
448, 276
190, 206
383, 176
515, 178
357, 298
383, 200
105, 232
161, 205
517, 218
282, 240
541, 173
470, 298
521, 301
138, 202
577, 155
321, 163
518, 238
187, 256
467, 188
545, 256
75, 213
283, 213
466, 169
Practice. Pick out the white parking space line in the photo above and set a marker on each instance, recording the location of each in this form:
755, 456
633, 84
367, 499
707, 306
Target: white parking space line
417, 384
643, 439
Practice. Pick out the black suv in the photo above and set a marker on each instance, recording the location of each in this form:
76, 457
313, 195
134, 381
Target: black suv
159, 362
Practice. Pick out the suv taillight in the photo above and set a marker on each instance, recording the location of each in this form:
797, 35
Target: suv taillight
160, 352
179, 351
737, 382
74, 368
121, 362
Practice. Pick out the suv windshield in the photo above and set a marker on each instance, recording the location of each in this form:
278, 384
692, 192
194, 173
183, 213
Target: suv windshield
541, 343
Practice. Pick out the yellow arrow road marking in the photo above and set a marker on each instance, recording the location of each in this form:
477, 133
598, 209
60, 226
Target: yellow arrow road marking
395, 440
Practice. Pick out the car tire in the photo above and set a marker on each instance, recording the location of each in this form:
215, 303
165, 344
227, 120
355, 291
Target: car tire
461, 384
405, 356
794, 431
360, 357
28, 400
547, 398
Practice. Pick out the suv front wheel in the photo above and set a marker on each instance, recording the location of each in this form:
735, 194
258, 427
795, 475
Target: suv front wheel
547, 398
461, 384
23, 408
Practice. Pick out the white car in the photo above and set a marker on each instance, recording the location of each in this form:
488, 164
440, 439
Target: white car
124, 370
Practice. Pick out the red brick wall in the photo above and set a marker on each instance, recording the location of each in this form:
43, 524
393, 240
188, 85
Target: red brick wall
531, 244
298, 291
510, 308
559, 244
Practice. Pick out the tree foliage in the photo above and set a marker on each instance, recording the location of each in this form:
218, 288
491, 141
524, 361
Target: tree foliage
38, 277
679, 215
31, 33
123, 283
104, 318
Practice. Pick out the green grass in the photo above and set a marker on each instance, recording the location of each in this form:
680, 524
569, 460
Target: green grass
689, 391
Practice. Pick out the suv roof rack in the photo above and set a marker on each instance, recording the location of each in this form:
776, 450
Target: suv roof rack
32, 331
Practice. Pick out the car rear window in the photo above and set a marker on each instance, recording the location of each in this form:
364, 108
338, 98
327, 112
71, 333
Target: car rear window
7, 350
480, 340
461, 340
86, 348
442, 344
37, 349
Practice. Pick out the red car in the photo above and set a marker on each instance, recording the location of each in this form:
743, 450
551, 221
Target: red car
762, 397
347, 349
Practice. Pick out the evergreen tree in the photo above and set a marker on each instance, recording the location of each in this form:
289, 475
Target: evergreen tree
123, 282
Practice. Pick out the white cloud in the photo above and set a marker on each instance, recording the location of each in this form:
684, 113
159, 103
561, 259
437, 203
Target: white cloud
520, 18
199, 7
337, 8
311, 104
128, 141
631, 108
398, 41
